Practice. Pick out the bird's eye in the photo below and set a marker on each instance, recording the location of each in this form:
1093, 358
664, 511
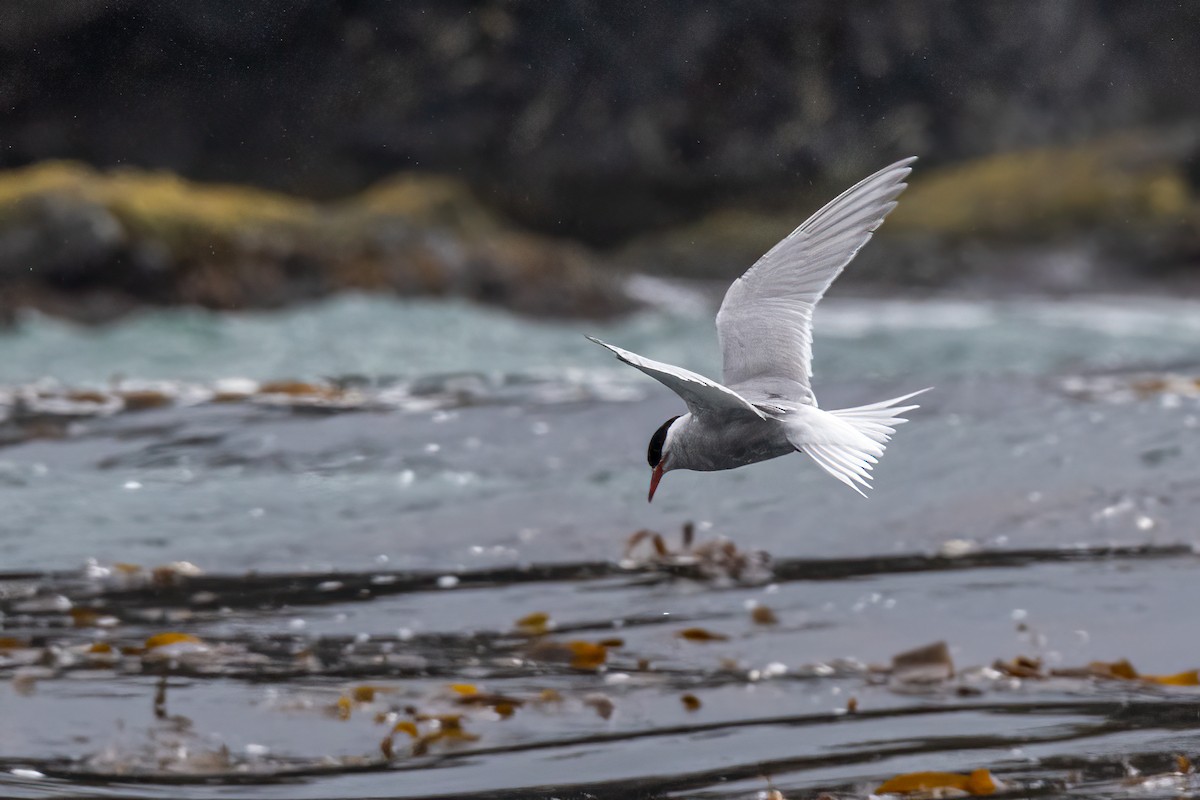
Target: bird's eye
654, 454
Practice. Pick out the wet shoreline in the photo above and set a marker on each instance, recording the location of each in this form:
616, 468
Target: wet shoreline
510, 663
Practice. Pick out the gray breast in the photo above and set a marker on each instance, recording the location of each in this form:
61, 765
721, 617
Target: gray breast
734, 444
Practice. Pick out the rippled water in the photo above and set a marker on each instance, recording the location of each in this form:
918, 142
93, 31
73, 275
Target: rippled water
462, 469
376, 337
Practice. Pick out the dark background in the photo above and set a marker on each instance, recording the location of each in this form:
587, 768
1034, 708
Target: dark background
590, 119
530, 154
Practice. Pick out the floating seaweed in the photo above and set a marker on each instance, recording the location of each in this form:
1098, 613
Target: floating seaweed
762, 615
700, 635
1120, 670
444, 698
934, 784
715, 559
535, 624
577, 654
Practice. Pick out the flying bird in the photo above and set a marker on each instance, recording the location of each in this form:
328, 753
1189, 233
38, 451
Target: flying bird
766, 407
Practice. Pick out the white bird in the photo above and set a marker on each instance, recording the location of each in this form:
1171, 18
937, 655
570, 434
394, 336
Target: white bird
767, 408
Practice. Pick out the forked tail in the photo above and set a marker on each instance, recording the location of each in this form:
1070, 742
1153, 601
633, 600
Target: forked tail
847, 442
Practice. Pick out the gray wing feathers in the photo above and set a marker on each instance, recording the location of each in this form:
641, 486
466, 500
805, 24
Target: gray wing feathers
702, 396
765, 321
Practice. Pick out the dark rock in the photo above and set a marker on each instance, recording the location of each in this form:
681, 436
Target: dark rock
94, 243
59, 240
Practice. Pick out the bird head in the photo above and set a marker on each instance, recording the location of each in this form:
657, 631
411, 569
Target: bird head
659, 455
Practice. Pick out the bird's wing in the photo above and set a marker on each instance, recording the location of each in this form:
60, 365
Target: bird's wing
702, 396
765, 321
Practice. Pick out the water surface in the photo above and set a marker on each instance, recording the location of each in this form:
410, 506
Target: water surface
460, 469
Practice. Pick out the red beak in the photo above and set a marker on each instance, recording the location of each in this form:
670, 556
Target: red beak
654, 479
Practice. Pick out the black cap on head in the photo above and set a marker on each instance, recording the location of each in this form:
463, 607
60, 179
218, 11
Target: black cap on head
654, 454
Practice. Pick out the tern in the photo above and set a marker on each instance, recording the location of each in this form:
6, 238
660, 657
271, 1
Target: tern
766, 407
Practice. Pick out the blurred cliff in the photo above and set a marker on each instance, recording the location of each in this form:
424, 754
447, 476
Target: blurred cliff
1060, 143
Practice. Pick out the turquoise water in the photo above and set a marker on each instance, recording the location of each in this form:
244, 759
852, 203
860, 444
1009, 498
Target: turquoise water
378, 337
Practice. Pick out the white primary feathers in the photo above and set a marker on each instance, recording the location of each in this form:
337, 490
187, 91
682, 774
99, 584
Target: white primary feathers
702, 396
765, 321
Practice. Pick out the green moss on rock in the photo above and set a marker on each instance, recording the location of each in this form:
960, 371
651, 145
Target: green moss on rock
1126, 183
67, 229
1126, 200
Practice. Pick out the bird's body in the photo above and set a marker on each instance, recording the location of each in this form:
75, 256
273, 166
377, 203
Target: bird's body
707, 446
767, 408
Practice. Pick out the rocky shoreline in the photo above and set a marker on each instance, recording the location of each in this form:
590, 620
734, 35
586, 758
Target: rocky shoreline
238, 155
91, 245
1116, 213
1112, 214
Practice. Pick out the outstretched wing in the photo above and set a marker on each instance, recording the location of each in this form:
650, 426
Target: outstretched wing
765, 321
702, 396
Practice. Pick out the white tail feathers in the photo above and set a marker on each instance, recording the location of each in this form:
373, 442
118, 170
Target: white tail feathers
846, 442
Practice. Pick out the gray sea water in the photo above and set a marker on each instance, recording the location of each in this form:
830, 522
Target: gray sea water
461, 468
